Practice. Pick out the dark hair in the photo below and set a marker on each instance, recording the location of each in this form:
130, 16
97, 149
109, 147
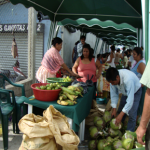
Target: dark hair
56, 40
112, 48
142, 47
111, 74
98, 55
104, 55
124, 48
118, 50
76, 43
90, 51
82, 37
126, 52
138, 50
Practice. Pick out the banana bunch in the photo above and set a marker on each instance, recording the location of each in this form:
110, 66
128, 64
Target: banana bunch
68, 96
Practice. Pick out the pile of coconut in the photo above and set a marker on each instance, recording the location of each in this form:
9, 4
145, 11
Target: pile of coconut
105, 135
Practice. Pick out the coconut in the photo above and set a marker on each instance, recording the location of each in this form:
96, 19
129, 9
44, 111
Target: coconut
112, 132
96, 118
109, 147
92, 145
114, 126
120, 149
119, 133
100, 145
138, 145
94, 133
91, 128
109, 139
107, 116
132, 133
117, 144
100, 124
128, 135
127, 143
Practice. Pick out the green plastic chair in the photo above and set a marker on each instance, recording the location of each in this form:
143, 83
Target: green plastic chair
19, 100
6, 109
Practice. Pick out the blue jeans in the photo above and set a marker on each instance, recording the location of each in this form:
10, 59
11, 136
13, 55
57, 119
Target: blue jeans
133, 111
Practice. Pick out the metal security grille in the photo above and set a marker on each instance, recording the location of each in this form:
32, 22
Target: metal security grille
14, 18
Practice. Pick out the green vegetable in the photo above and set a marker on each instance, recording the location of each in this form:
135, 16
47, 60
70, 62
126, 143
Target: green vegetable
67, 90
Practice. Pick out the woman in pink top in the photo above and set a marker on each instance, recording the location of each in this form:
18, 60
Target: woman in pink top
85, 65
52, 62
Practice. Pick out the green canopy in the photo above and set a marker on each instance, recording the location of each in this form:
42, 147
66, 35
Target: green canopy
118, 11
96, 29
101, 24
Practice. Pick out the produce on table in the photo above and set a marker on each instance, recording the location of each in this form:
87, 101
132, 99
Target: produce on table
49, 86
68, 96
67, 79
108, 136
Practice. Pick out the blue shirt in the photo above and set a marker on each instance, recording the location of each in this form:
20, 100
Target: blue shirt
129, 85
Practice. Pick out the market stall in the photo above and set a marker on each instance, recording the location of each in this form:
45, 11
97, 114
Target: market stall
76, 112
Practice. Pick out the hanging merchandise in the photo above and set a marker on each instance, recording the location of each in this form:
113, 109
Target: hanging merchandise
14, 50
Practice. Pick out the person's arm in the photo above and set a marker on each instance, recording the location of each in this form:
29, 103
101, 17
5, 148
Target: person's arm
141, 68
114, 96
75, 66
99, 66
72, 55
141, 130
111, 57
71, 73
130, 99
79, 48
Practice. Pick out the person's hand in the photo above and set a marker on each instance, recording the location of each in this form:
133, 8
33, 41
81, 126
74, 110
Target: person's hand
97, 76
140, 133
75, 75
118, 119
113, 114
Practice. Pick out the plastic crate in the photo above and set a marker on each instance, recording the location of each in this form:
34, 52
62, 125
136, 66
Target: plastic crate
58, 80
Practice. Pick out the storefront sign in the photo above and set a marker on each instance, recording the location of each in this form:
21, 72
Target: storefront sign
19, 27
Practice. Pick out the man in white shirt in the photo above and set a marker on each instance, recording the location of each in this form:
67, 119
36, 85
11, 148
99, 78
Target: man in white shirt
80, 45
125, 82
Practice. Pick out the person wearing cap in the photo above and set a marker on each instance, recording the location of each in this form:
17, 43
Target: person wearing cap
111, 57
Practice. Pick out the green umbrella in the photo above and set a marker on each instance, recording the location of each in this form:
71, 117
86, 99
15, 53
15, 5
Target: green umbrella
118, 11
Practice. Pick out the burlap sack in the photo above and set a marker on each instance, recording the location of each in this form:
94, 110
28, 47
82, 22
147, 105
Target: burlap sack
50, 132
108, 106
93, 112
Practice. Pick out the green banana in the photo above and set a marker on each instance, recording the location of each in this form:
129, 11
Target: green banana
78, 93
71, 97
70, 102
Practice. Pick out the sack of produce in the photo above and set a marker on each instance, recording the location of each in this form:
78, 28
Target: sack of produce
94, 112
50, 132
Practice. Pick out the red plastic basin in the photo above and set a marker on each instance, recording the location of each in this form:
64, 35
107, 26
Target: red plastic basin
44, 95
